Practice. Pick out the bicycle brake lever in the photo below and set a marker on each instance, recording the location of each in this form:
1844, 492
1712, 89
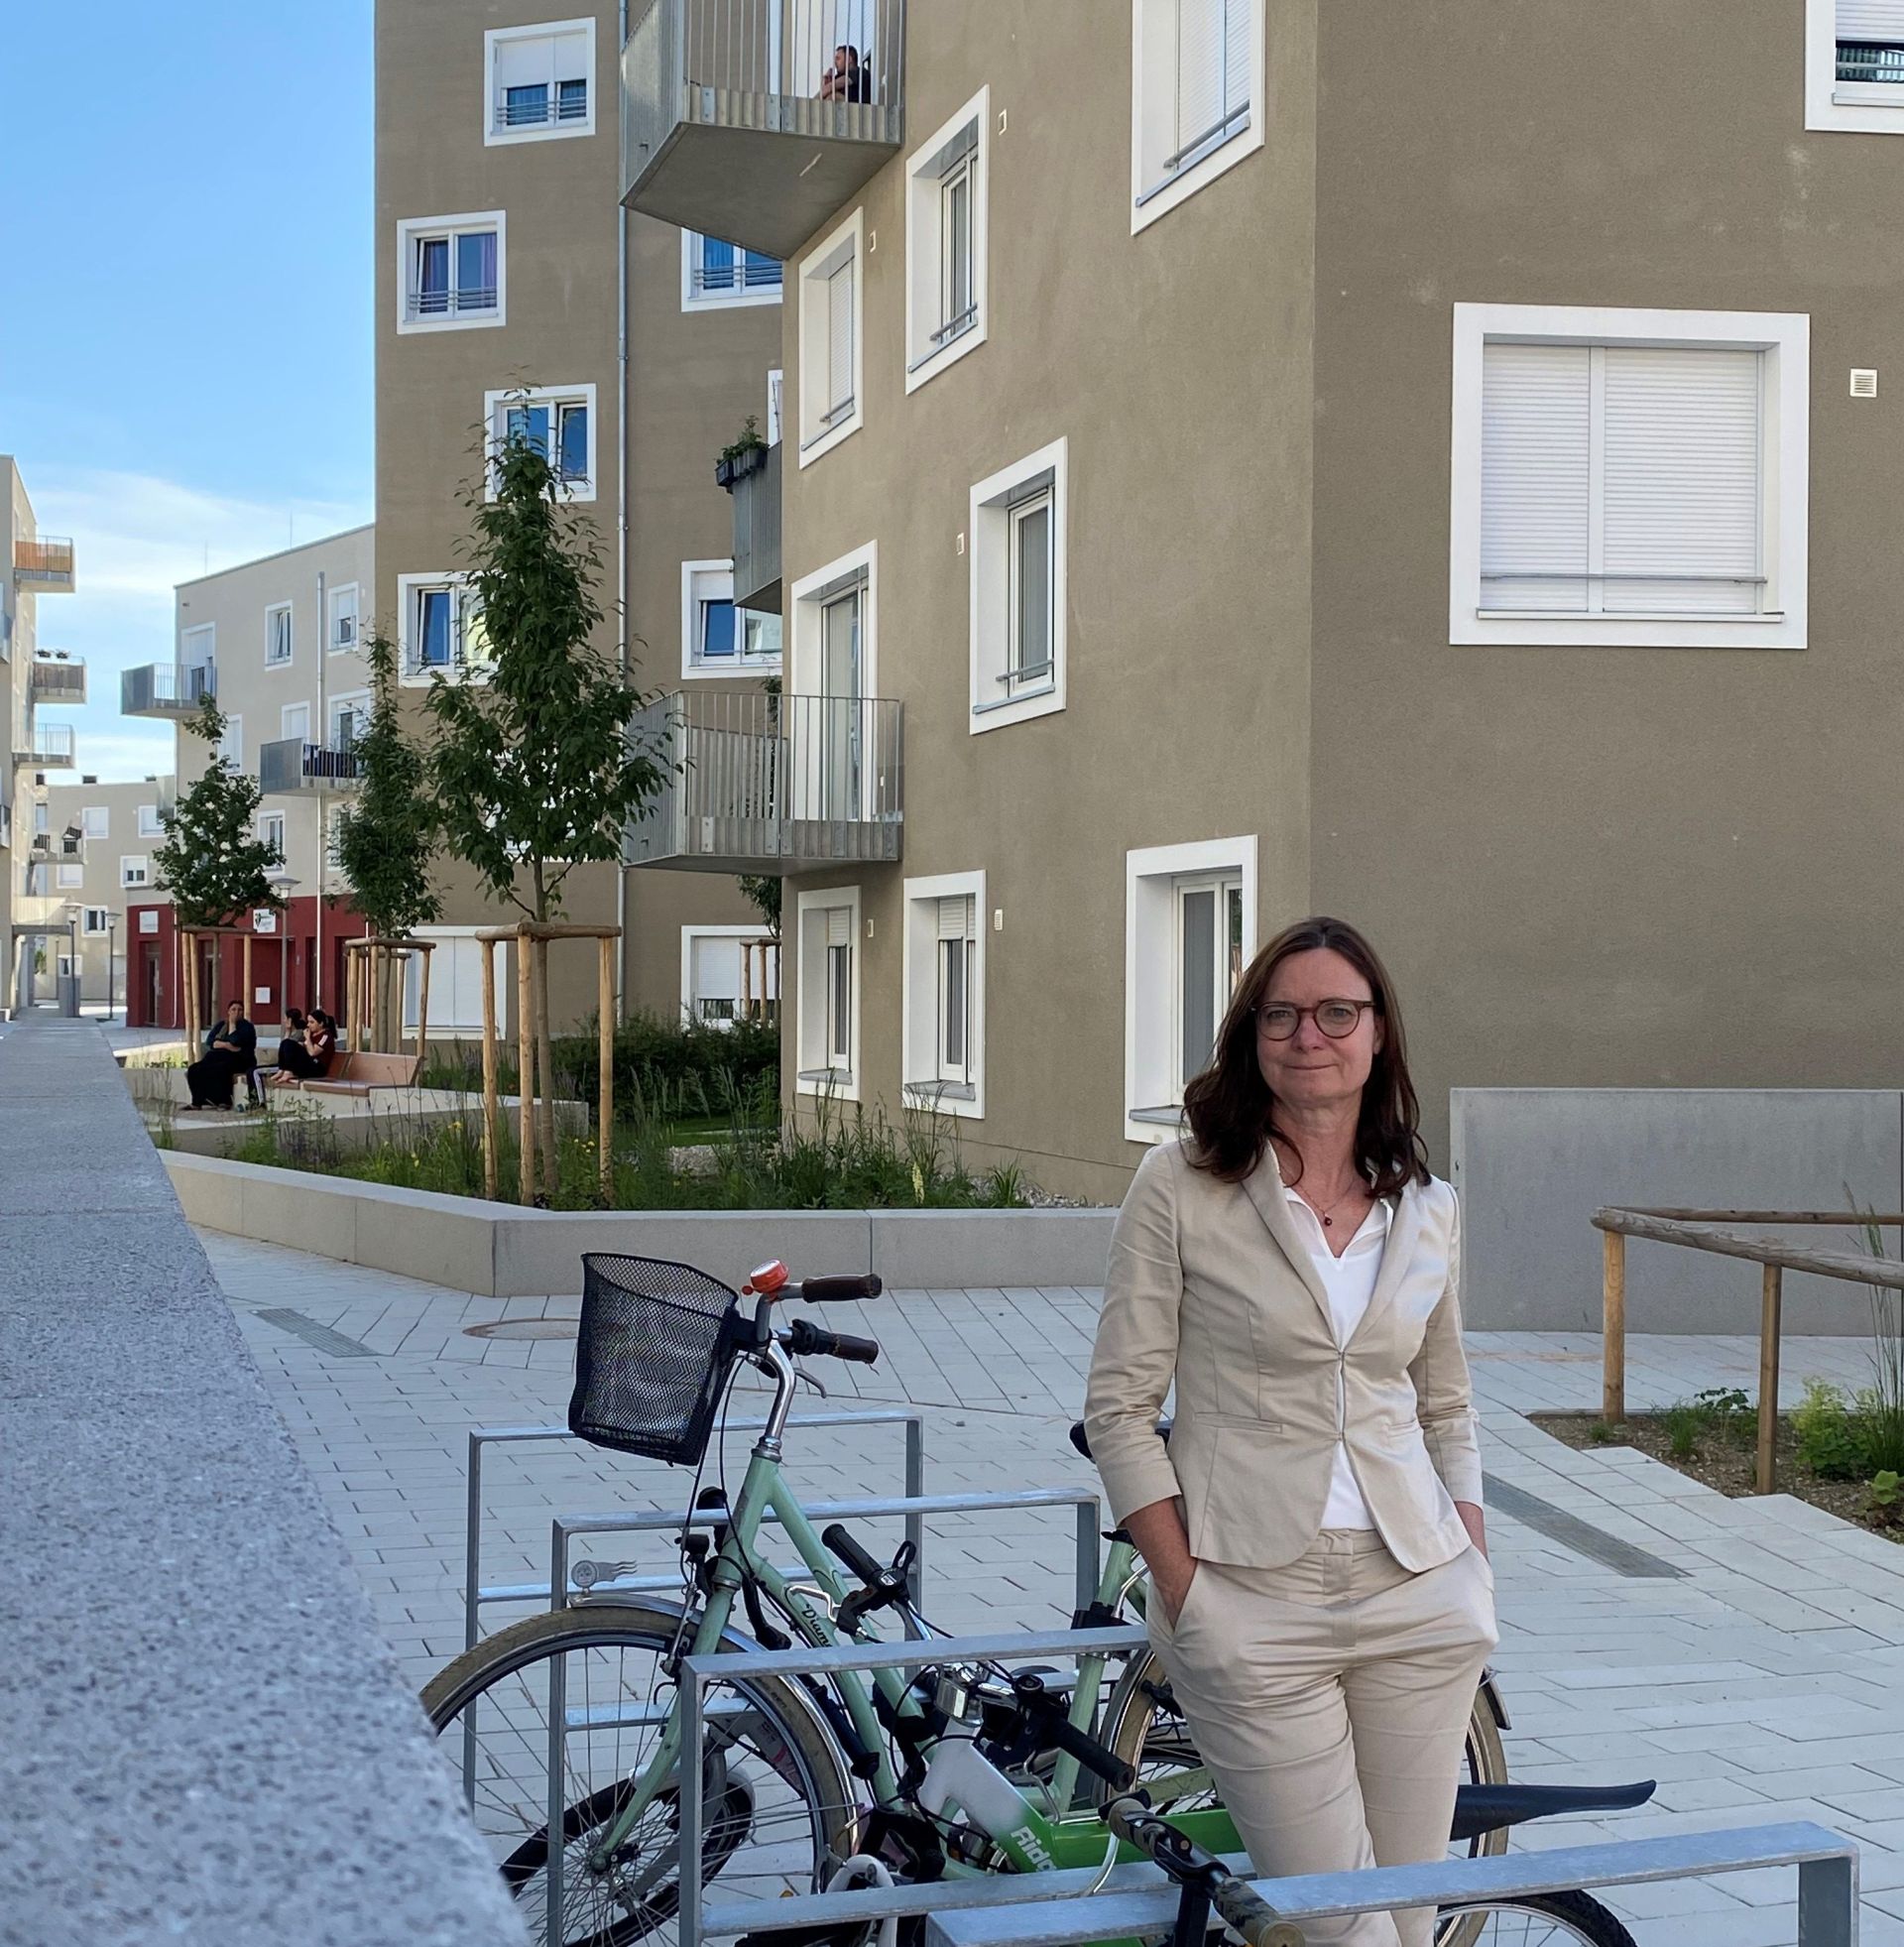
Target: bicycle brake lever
801, 1377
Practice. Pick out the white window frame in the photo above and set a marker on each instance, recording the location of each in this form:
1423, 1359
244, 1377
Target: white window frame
335, 706
846, 239
495, 407
102, 914
461, 668
1150, 966
691, 936
270, 822
806, 605
495, 136
96, 822
694, 299
285, 714
921, 997
413, 230
698, 581
928, 354
775, 395
990, 551
440, 1019
338, 611
819, 1076
1785, 485
199, 645
273, 610
150, 823
231, 746
333, 824
134, 871
1153, 63
1852, 107
69, 875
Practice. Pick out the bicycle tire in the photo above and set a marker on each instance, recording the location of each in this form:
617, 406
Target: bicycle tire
1589, 1923
788, 1712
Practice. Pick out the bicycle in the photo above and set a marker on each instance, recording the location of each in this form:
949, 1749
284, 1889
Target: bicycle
805, 1784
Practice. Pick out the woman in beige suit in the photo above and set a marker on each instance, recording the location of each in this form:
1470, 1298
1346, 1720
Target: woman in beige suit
1322, 1601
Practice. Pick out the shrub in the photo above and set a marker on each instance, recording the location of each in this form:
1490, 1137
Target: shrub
1722, 1411
1827, 1435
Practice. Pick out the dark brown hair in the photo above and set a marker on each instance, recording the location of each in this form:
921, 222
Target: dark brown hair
1233, 1114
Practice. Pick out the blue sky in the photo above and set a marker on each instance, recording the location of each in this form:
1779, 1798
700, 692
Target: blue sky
185, 306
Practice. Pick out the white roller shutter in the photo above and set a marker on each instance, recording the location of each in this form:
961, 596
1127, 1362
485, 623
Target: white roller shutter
1535, 477
955, 917
1235, 56
571, 57
1870, 20
839, 926
1200, 40
522, 62
839, 338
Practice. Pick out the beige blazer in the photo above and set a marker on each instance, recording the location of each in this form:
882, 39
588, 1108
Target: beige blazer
1211, 1286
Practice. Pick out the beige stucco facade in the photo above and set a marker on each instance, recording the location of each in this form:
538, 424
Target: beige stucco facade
114, 829
1617, 861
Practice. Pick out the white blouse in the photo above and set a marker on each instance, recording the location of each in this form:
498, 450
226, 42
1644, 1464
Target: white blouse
1349, 1282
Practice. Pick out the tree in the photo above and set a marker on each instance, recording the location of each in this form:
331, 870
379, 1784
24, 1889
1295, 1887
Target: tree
386, 835
212, 862
534, 770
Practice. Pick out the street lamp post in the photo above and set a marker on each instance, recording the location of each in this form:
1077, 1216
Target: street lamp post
112, 983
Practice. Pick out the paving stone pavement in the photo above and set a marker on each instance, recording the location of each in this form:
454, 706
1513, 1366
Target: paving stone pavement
1765, 1682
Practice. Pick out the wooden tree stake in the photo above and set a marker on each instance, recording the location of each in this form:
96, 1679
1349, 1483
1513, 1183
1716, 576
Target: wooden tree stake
1612, 1325
526, 1069
1771, 1304
489, 1069
605, 1088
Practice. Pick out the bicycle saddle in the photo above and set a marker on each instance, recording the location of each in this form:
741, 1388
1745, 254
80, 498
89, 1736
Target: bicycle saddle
1083, 1445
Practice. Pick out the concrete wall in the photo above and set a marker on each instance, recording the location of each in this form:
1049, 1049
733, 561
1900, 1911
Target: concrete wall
100, 872
1533, 1165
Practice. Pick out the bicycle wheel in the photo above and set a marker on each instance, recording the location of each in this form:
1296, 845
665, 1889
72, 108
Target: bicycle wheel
1142, 1725
1548, 1919
777, 1805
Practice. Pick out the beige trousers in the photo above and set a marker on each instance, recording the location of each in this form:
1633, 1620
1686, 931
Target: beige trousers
1330, 1699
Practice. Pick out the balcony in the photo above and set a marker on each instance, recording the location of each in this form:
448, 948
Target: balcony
725, 130
291, 765
58, 678
48, 748
761, 783
756, 534
44, 564
66, 847
165, 689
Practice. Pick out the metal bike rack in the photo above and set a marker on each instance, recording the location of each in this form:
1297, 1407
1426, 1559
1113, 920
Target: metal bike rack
476, 1596
1139, 1899
696, 1923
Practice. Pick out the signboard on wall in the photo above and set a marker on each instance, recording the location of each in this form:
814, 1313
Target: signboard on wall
264, 921
149, 923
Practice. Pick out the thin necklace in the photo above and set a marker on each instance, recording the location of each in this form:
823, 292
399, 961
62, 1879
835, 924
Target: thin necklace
1322, 1210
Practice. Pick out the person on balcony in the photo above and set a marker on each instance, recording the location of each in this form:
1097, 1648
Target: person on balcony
846, 80
231, 1050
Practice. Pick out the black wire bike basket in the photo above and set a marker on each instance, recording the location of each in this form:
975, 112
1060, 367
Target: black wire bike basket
657, 1343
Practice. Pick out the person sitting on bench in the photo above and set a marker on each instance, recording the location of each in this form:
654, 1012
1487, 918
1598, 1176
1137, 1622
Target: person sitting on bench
231, 1050
305, 1051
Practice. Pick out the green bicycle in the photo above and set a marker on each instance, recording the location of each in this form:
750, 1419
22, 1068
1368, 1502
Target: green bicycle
807, 1785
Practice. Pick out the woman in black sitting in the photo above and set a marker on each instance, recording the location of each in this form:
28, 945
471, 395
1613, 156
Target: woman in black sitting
231, 1050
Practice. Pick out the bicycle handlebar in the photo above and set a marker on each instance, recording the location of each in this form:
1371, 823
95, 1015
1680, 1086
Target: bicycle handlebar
1089, 1752
805, 1339
1191, 1867
839, 1290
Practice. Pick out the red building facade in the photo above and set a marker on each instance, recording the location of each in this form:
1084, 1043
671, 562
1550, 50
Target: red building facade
296, 960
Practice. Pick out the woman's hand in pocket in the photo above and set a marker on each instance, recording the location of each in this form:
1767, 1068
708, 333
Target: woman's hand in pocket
1176, 1592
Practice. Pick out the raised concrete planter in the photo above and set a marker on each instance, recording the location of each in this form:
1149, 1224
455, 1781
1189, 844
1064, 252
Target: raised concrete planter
1533, 1165
504, 1252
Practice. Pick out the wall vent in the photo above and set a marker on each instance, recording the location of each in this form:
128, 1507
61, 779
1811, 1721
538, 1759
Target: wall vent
1863, 385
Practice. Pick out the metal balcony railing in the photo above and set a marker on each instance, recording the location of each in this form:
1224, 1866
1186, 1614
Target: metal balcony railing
48, 743
165, 690
764, 784
1870, 61
469, 300
58, 679
755, 120
66, 846
46, 562
289, 764
537, 107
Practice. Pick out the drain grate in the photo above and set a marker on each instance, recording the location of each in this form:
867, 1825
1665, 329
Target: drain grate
1583, 1538
525, 1328
313, 1334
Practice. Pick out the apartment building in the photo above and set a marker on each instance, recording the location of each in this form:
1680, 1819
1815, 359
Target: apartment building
91, 851
36, 678
278, 643
512, 290
1266, 457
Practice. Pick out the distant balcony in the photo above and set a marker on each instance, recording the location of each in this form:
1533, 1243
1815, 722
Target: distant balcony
59, 679
761, 783
725, 128
165, 689
68, 847
291, 765
757, 535
44, 564
49, 748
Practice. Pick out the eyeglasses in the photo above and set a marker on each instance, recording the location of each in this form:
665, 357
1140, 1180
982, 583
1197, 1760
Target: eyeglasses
1338, 1020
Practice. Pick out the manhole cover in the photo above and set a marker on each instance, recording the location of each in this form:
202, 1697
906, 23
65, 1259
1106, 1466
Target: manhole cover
523, 1328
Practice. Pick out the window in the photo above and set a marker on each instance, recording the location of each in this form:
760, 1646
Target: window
1190, 927
945, 243
151, 825
42, 816
775, 390
729, 973
1196, 80
440, 632
718, 639
559, 421
271, 830
1018, 590
277, 635
843, 766
231, 746
293, 720
96, 920
1633, 479
828, 932
451, 271
942, 1030
69, 877
455, 982
96, 822
344, 618
39, 882
536, 81
333, 836
716, 275
349, 719
135, 872
831, 302
198, 653
1854, 66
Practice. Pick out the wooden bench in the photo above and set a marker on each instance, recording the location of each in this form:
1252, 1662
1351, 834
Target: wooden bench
357, 1075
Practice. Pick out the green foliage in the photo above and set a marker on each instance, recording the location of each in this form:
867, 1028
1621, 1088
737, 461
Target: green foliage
1824, 1422
1600, 1434
212, 862
535, 772
750, 441
1886, 1494
1721, 1411
386, 836
763, 893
